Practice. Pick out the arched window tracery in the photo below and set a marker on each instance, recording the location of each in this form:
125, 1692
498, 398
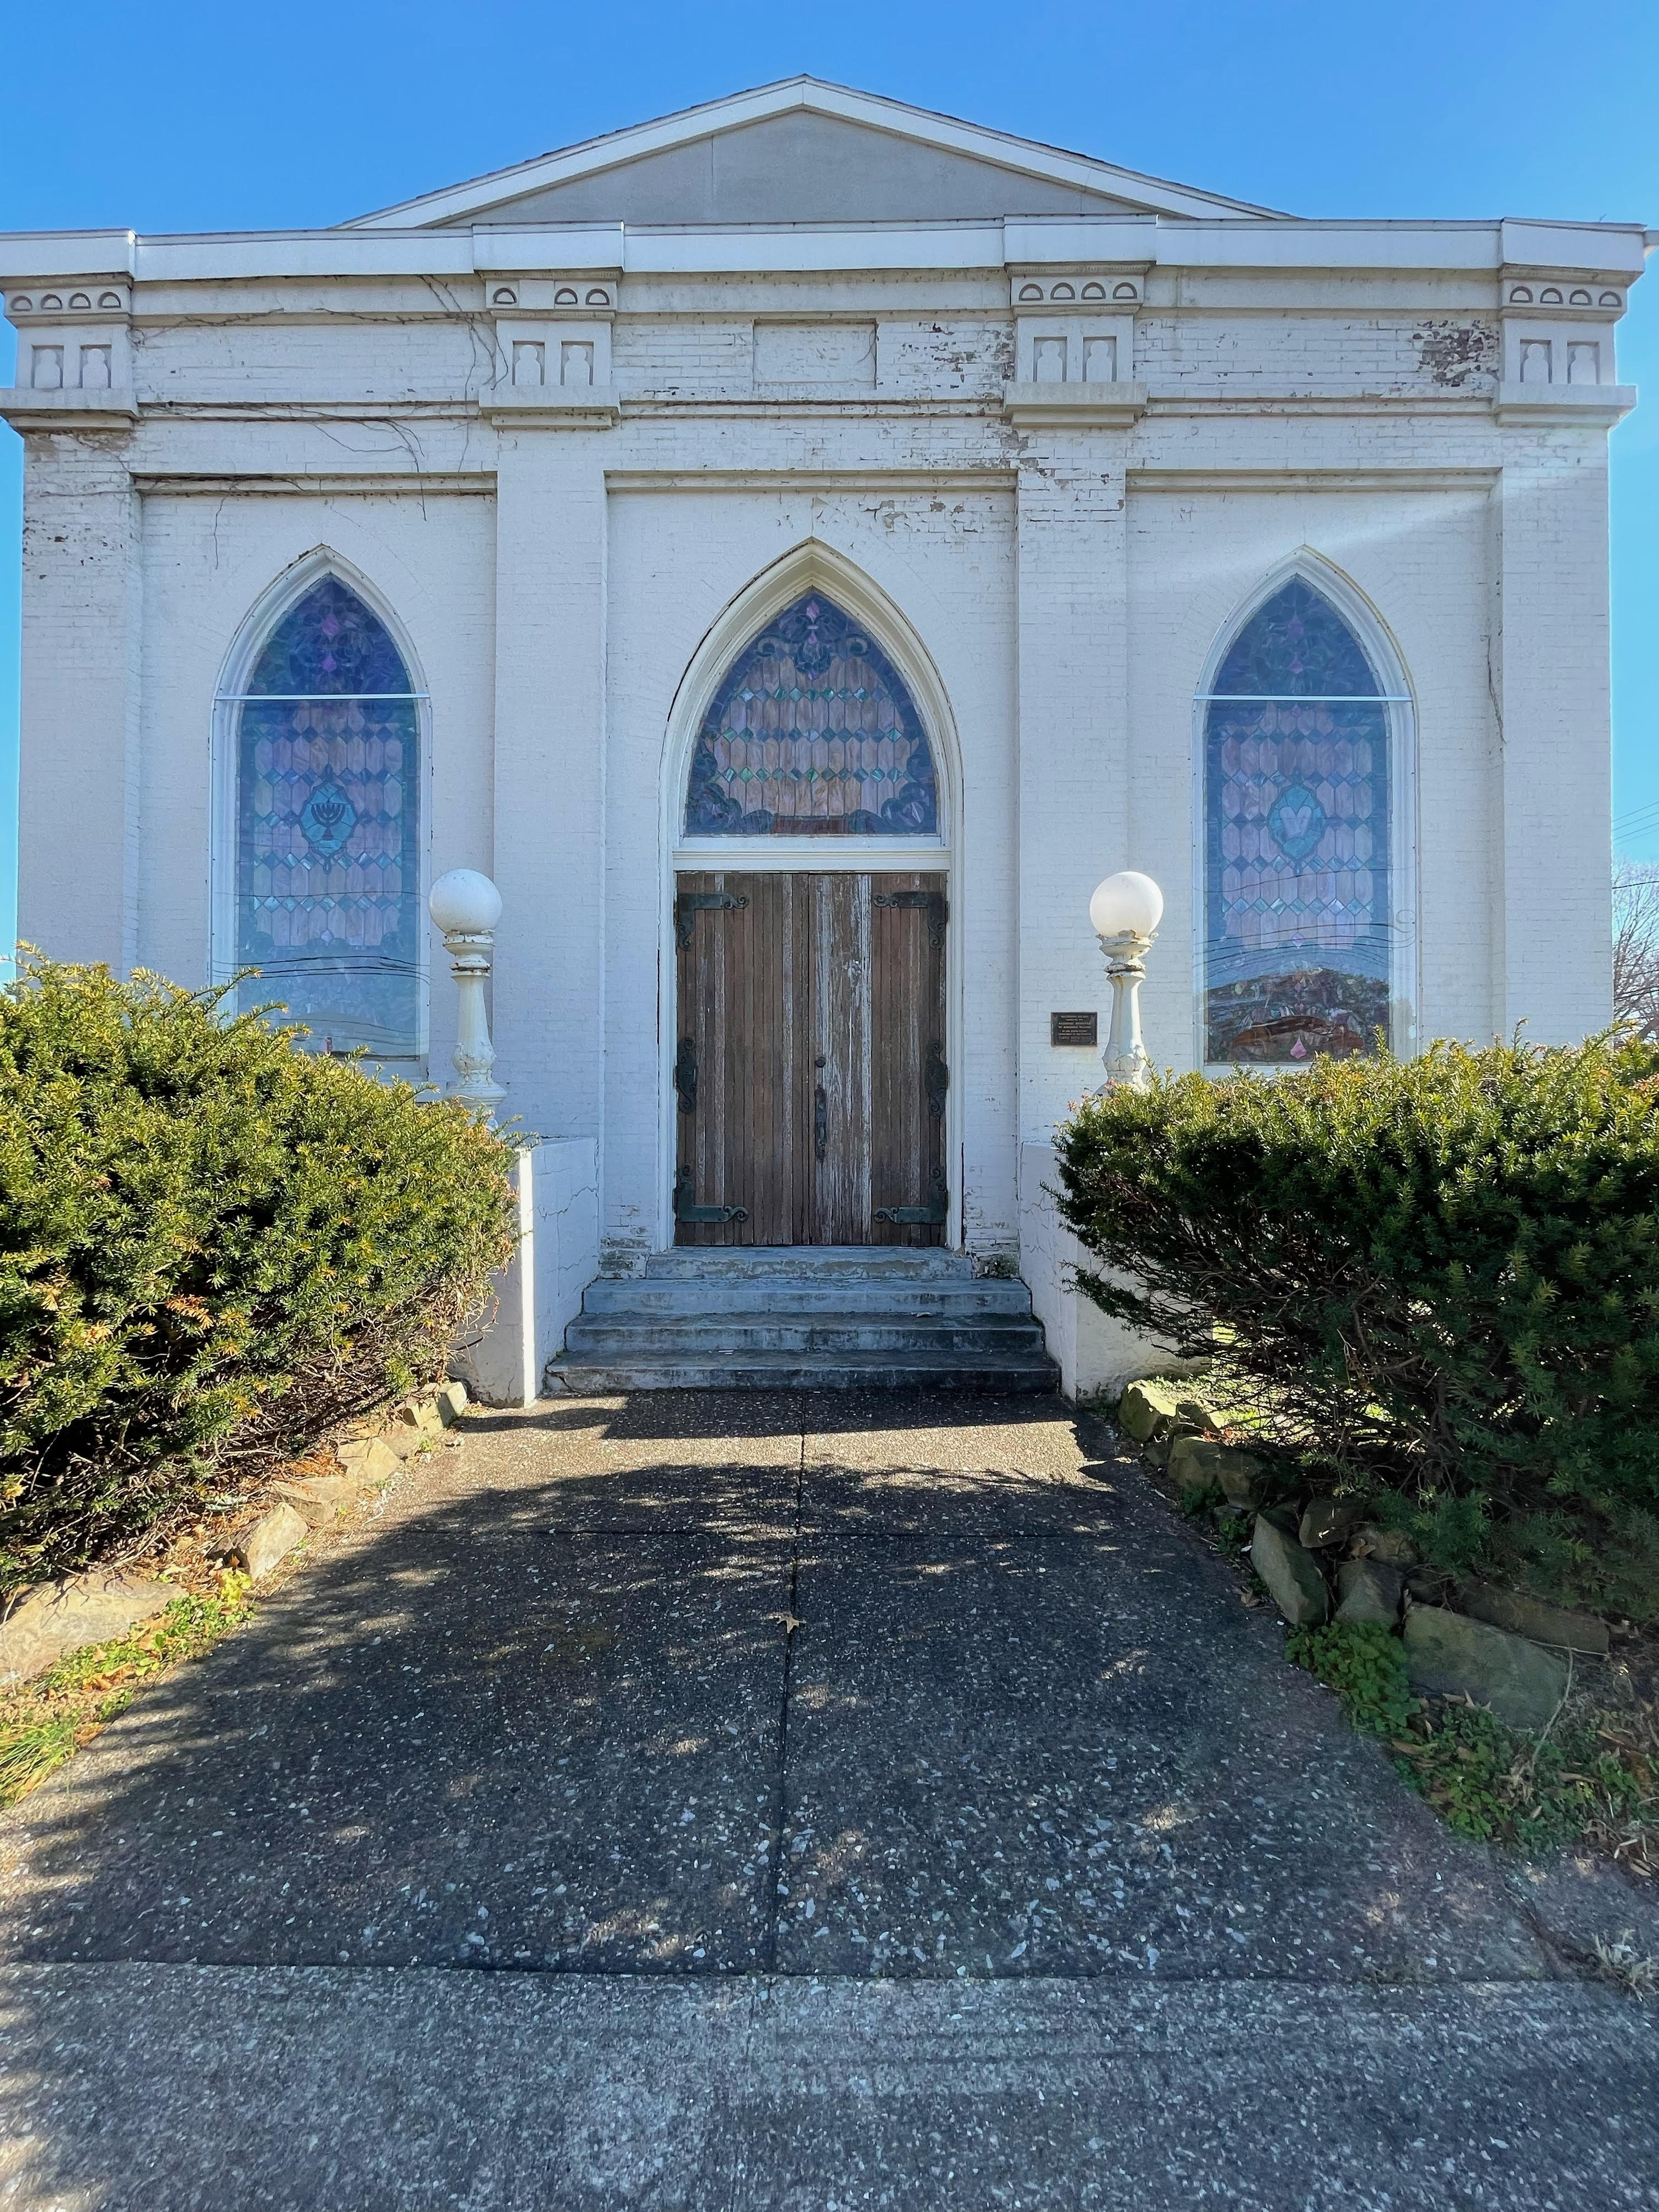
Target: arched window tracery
812, 733
327, 826
1298, 859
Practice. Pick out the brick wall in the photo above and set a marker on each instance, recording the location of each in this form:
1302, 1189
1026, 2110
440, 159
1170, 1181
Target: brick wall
1065, 589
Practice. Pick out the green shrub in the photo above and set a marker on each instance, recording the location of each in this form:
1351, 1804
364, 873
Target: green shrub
211, 1244
1442, 1273
1608, 1560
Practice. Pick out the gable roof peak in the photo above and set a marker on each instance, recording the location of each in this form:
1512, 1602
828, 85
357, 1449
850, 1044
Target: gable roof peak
475, 199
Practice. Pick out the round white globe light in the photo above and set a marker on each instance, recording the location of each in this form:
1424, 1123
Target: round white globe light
465, 904
1127, 904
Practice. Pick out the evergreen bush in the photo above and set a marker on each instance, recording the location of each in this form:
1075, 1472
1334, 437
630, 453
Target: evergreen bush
212, 1243
1441, 1275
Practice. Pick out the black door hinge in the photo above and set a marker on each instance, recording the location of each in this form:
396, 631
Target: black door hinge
933, 904
685, 1211
688, 905
931, 1216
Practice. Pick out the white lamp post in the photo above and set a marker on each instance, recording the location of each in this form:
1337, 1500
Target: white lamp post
1125, 910
466, 907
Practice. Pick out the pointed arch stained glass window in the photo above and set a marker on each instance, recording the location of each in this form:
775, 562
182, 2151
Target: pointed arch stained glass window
328, 825
813, 734
1296, 839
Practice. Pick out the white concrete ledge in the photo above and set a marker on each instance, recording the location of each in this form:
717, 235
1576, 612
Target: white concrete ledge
1068, 406
67, 410
1098, 1356
551, 406
1597, 406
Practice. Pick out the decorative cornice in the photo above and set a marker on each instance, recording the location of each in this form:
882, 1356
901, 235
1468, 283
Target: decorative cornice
70, 300
428, 483
1557, 295
460, 409
778, 407
1359, 405
1089, 289
587, 295
1606, 255
871, 477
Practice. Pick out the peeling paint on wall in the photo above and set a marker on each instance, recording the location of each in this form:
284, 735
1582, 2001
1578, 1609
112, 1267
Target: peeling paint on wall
1457, 354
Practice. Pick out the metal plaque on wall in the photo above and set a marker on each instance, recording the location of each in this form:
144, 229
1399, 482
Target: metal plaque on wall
1074, 1029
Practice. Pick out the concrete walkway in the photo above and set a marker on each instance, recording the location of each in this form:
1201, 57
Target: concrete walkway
837, 1803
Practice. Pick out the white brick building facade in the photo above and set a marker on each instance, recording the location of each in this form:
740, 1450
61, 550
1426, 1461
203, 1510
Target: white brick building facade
1048, 430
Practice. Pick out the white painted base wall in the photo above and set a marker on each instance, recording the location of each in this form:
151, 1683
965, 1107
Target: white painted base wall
539, 1292
1097, 1356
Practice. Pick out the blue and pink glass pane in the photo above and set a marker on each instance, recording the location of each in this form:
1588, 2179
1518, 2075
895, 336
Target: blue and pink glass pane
813, 734
1296, 811
328, 873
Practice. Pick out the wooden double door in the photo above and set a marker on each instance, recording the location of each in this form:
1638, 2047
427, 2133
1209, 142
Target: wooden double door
810, 1074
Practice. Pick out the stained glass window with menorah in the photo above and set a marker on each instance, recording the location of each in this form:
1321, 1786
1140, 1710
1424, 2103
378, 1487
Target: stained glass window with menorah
328, 827
1297, 952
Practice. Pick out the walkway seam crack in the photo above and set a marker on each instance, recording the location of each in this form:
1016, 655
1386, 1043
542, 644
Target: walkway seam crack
780, 1796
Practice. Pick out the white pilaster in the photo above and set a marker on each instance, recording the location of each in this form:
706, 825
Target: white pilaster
1554, 709
80, 670
550, 774
1074, 737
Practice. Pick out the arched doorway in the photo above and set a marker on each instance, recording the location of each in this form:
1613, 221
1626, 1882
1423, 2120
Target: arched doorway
811, 1064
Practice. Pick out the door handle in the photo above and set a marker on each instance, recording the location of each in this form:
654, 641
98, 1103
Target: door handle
820, 1123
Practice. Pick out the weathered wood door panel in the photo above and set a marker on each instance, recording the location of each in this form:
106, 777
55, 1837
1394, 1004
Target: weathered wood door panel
810, 1066
743, 1122
838, 1038
910, 1076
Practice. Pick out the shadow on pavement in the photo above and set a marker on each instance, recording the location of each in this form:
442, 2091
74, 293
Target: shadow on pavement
715, 1694
560, 1709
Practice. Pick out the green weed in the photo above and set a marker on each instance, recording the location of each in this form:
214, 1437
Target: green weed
46, 1722
1532, 1794
1201, 1497
1365, 1665
1233, 1531
1596, 1780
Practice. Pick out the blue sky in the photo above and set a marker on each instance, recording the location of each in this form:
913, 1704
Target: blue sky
290, 114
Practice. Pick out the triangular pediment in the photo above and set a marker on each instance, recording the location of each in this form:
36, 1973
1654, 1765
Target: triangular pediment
801, 152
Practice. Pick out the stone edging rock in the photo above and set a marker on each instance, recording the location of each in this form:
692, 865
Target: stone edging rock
309, 1501
54, 1619
1503, 1650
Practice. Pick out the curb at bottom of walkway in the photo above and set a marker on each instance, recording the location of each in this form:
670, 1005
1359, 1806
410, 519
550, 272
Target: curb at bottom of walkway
131, 2085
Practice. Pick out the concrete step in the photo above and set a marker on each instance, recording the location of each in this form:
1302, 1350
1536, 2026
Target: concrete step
872, 1262
717, 1336
999, 1372
826, 1318
691, 1297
